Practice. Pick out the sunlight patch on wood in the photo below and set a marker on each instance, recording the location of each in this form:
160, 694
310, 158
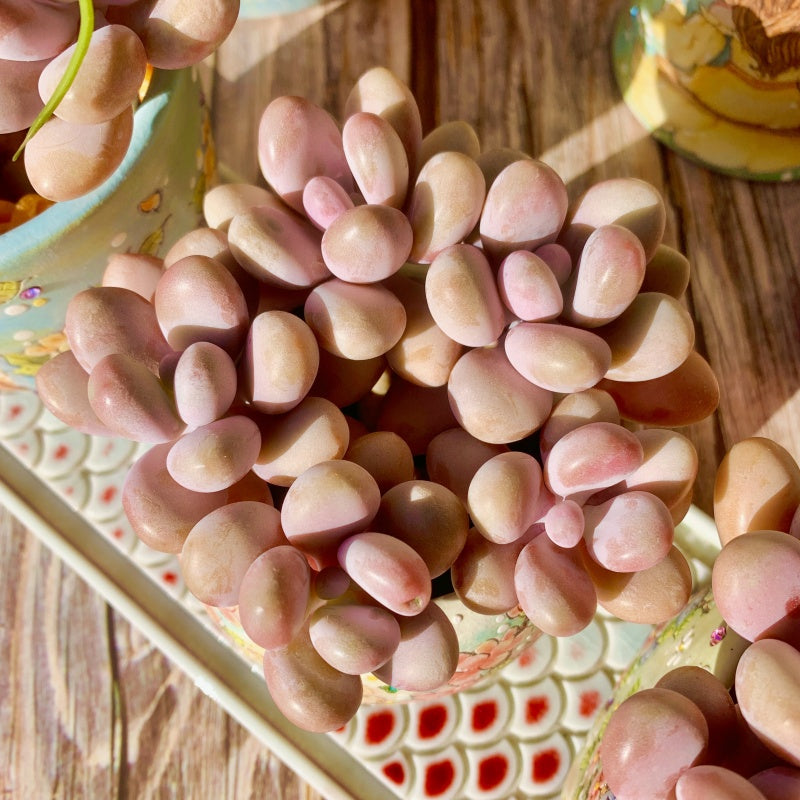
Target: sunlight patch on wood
605, 136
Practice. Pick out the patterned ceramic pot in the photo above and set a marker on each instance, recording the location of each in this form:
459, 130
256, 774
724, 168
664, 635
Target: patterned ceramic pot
148, 203
486, 644
716, 81
698, 636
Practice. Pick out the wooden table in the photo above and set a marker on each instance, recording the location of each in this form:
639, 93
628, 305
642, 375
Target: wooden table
89, 708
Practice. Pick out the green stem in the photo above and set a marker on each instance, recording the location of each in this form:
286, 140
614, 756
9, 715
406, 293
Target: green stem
82, 45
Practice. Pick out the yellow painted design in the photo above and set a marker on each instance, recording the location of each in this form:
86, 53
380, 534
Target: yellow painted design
26, 365
153, 241
744, 99
9, 290
55, 342
206, 156
686, 41
694, 81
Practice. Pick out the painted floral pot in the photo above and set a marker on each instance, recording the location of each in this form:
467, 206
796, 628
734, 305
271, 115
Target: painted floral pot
716, 81
698, 636
486, 644
153, 198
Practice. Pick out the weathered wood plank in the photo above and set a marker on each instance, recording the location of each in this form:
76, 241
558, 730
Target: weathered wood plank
59, 733
744, 245
180, 744
316, 54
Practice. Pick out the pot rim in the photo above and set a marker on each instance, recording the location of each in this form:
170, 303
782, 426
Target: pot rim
67, 214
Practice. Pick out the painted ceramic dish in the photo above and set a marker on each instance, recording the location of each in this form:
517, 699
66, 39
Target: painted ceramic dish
715, 81
148, 203
698, 636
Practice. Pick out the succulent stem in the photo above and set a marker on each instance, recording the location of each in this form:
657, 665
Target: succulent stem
82, 45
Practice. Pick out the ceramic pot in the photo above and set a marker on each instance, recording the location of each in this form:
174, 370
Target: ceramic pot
716, 81
252, 9
153, 198
486, 644
698, 636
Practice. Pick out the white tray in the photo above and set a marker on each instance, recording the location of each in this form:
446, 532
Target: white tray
64, 487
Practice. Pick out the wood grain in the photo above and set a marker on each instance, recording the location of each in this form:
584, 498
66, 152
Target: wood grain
88, 708
57, 724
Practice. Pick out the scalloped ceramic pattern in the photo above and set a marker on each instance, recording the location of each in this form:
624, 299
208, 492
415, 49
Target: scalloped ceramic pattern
512, 739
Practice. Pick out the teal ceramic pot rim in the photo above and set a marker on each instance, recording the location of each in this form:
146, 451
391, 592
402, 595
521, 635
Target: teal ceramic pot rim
68, 214
153, 198
252, 9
